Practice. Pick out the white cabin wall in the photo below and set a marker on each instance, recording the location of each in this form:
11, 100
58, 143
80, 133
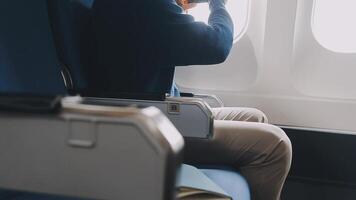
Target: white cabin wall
318, 71
279, 67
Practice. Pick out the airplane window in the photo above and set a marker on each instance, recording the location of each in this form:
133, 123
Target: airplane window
239, 11
334, 24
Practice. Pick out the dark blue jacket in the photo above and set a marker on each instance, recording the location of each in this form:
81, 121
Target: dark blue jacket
140, 42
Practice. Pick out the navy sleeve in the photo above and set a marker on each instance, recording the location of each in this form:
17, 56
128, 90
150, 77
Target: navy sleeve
179, 40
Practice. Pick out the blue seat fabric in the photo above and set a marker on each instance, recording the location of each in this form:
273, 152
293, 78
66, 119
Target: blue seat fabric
229, 180
28, 62
71, 23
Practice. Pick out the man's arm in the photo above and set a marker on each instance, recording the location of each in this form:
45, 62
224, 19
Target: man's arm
182, 41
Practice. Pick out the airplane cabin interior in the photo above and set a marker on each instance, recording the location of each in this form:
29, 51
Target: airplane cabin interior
215, 100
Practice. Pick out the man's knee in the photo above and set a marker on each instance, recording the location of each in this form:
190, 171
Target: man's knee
282, 151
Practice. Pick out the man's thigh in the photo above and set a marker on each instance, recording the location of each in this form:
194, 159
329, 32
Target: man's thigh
235, 143
239, 114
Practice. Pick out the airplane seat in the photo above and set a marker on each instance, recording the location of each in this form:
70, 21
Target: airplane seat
28, 64
64, 147
176, 107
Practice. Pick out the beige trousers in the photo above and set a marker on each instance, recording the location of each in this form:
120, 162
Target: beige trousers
242, 139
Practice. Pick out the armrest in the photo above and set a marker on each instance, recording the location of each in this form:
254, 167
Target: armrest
90, 151
138, 96
213, 100
191, 116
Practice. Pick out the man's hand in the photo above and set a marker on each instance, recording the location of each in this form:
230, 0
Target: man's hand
185, 4
189, 6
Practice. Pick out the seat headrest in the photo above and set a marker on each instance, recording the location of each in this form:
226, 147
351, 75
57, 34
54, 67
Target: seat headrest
28, 62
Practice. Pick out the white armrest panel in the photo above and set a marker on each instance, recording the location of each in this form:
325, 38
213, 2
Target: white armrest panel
191, 116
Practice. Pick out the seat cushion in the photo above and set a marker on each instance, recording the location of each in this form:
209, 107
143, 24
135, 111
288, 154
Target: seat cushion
230, 181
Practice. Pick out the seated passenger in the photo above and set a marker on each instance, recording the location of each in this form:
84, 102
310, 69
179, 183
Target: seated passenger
139, 44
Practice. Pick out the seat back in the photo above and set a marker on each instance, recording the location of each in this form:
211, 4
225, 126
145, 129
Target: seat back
28, 62
71, 23
82, 150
